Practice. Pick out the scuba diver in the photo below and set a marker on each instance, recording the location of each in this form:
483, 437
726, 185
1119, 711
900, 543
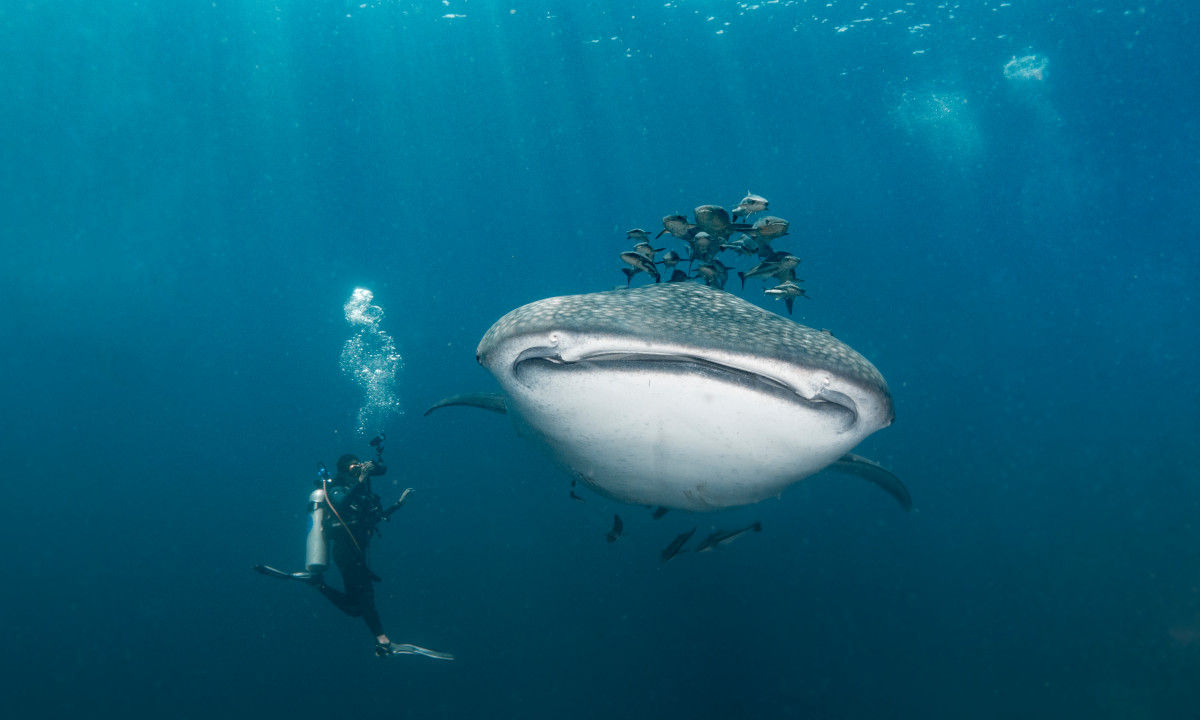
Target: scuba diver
345, 512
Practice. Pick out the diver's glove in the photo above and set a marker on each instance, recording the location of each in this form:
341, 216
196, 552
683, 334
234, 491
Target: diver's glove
386, 649
387, 514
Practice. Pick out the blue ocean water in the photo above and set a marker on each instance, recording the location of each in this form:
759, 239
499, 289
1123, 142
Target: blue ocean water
193, 191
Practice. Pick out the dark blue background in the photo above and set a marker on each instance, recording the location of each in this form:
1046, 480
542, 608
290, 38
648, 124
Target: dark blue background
191, 192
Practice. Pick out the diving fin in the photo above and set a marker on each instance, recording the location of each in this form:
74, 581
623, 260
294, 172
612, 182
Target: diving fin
404, 649
302, 576
485, 401
872, 471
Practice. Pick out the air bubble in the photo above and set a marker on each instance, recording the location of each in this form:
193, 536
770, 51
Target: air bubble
369, 357
1029, 67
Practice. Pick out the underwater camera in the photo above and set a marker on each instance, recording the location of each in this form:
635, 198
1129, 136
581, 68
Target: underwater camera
377, 443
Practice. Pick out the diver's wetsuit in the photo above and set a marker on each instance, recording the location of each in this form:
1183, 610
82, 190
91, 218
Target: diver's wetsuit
359, 507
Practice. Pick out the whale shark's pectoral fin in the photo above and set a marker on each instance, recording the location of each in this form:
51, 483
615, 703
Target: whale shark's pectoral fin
874, 472
486, 401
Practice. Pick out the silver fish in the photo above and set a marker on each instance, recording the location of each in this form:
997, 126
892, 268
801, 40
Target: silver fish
715, 220
678, 226
724, 537
714, 273
638, 263
769, 228
742, 245
617, 527
780, 265
647, 249
749, 205
704, 246
788, 291
676, 545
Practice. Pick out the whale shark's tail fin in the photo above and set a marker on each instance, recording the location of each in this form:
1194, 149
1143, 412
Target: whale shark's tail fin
874, 472
486, 401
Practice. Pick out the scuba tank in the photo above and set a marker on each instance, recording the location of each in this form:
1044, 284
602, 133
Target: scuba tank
316, 557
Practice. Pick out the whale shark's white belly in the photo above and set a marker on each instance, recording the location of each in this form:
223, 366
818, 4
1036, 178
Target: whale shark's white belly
679, 435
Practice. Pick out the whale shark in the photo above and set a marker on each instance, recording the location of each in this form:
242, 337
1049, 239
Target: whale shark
683, 396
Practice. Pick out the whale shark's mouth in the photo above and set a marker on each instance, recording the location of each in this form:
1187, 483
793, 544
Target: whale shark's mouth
537, 360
